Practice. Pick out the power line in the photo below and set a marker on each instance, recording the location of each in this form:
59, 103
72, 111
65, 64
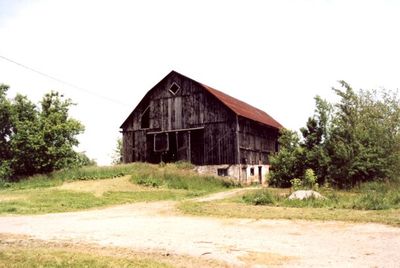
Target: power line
63, 81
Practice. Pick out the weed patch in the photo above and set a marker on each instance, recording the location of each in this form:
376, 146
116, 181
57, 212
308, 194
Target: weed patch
173, 177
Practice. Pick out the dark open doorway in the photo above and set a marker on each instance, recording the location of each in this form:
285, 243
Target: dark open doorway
171, 154
260, 174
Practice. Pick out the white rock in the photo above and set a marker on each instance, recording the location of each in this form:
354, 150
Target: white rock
305, 194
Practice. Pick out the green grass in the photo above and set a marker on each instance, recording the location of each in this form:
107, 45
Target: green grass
369, 196
38, 194
49, 201
57, 178
46, 257
371, 202
241, 210
176, 177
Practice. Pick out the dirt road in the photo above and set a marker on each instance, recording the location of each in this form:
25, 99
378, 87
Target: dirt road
239, 242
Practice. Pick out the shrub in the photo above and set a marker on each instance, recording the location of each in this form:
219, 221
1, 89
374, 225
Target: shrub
5, 171
259, 197
297, 184
310, 178
377, 196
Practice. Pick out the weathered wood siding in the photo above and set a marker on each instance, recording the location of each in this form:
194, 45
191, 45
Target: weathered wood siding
257, 142
191, 107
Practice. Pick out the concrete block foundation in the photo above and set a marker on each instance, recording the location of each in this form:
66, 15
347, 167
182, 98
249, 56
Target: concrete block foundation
245, 174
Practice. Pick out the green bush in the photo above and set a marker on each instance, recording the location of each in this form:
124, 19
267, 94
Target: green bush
297, 184
309, 178
259, 197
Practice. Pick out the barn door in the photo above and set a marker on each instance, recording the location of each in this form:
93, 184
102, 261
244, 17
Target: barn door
244, 175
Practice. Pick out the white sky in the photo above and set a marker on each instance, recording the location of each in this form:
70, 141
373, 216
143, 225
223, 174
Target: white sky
274, 55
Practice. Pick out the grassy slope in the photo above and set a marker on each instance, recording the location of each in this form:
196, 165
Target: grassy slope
45, 193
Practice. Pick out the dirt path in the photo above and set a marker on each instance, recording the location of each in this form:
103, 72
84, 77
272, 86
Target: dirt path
239, 242
223, 195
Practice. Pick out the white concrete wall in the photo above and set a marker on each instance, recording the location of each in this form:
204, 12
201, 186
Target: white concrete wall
241, 173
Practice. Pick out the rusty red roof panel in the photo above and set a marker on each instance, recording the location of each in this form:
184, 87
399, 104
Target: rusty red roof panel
243, 109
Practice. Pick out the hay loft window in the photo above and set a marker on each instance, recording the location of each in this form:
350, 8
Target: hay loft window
174, 88
222, 172
145, 118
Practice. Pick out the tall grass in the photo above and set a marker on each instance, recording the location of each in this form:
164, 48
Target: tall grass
176, 177
172, 176
369, 196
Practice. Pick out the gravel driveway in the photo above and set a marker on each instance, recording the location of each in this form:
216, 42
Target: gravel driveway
239, 242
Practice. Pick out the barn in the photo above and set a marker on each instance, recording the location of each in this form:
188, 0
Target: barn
180, 119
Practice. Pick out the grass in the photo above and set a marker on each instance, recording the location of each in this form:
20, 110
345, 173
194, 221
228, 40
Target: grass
371, 202
23, 251
50, 201
369, 196
57, 178
176, 177
50, 193
242, 210
47, 257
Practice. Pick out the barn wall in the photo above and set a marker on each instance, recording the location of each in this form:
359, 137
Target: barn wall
191, 107
257, 142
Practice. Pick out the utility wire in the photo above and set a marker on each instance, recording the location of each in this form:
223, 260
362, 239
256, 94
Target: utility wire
63, 81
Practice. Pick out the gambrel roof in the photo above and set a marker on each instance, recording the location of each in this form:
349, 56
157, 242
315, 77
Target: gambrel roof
239, 107
243, 109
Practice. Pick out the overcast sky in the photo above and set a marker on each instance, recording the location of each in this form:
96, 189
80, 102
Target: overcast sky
274, 55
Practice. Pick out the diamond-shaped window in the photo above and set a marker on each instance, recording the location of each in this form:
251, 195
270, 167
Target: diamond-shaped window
174, 88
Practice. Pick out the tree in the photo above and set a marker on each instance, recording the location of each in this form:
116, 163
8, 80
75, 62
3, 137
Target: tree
5, 133
353, 141
364, 143
314, 136
36, 139
59, 133
286, 165
117, 154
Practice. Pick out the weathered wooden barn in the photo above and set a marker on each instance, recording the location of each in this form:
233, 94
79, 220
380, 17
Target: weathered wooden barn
181, 119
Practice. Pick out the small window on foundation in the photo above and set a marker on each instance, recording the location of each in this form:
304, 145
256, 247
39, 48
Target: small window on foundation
222, 172
174, 88
251, 171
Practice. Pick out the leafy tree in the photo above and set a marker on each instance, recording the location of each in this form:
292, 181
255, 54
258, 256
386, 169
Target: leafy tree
5, 133
364, 143
36, 139
287, 164
314, 135
356, 140
5, 122
117, 154
59, 133
82, 160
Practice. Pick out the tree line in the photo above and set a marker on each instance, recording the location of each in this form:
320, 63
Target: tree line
37, 138
352, 141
